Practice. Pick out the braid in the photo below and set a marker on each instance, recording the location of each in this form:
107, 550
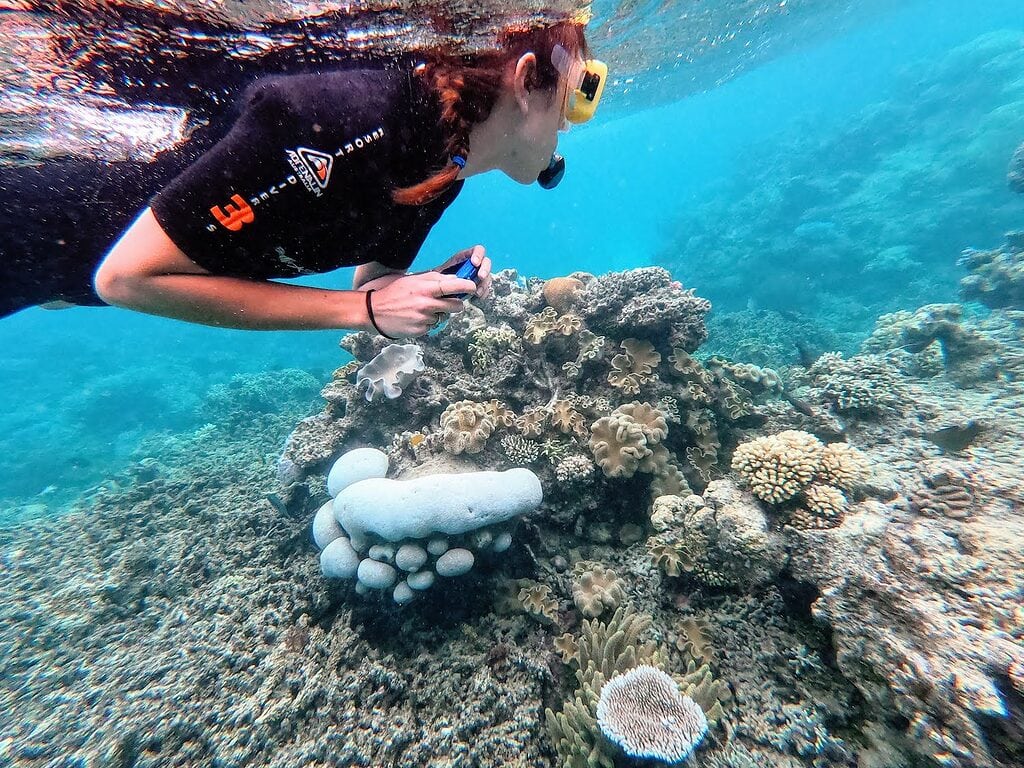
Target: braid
467, 88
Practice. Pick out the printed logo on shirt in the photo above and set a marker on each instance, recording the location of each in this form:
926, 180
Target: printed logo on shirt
234, 215
312, 167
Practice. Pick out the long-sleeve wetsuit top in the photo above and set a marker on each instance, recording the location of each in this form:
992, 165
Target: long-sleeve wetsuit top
302, 183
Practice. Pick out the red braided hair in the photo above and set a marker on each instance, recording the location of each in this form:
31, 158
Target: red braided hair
468, 87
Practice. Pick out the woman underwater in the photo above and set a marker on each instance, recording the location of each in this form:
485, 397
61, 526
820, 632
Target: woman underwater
335, 169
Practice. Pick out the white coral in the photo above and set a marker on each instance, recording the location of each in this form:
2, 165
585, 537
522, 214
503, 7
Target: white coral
390, 371
644, 713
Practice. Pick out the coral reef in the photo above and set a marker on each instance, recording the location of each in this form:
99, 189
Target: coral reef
866, 217
608, 384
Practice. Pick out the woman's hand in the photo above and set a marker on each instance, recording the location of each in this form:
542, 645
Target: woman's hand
478, 255
413, 304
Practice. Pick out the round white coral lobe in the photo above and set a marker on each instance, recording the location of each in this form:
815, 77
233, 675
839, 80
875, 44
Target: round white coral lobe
643, 712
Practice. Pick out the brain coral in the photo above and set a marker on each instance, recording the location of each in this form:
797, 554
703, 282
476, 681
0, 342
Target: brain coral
777, 467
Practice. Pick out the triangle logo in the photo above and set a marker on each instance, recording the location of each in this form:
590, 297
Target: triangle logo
319, 164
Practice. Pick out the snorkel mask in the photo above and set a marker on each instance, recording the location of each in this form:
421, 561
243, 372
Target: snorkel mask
585, 82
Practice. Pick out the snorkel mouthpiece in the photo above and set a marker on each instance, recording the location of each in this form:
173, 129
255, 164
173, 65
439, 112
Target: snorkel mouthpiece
550, 177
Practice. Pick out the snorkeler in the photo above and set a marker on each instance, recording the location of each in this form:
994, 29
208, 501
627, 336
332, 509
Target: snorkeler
337, 169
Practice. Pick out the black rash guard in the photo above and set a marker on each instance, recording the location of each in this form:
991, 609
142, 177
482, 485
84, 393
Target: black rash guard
301, 183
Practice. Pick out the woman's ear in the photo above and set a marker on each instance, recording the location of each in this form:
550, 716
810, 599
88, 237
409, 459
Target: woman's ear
524, 79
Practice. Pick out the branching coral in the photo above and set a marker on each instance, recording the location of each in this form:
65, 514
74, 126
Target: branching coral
777, 467
864, 384
794, 465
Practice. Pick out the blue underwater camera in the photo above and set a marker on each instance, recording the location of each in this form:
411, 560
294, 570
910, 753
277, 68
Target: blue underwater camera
466, 270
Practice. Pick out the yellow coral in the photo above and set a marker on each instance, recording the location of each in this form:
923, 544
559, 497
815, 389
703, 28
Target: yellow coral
465, 427
777, 467
843, 466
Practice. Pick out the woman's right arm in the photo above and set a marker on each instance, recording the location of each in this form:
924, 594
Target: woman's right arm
147, 272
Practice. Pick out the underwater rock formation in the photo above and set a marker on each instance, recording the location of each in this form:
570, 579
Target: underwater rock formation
996, 277
1015, 173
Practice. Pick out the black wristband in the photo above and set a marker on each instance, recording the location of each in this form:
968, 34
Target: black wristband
373, 320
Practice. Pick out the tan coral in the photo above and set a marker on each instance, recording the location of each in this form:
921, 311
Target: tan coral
567, 419
539, 326
499, 413
618, 444
825, 507
843, 466
537, 601
596, 589
633, 367
777, 467
532, 422
567, 647
568, 324
651, 420
666, 557
465, 427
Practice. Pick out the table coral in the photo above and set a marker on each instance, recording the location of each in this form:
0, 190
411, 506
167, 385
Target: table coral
645, 715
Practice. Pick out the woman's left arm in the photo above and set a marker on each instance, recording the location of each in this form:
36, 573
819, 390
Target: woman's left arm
375, 275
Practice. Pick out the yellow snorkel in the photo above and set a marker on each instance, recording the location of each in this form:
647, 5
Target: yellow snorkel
585, 80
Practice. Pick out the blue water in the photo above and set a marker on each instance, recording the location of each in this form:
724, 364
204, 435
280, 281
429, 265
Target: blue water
82, 387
